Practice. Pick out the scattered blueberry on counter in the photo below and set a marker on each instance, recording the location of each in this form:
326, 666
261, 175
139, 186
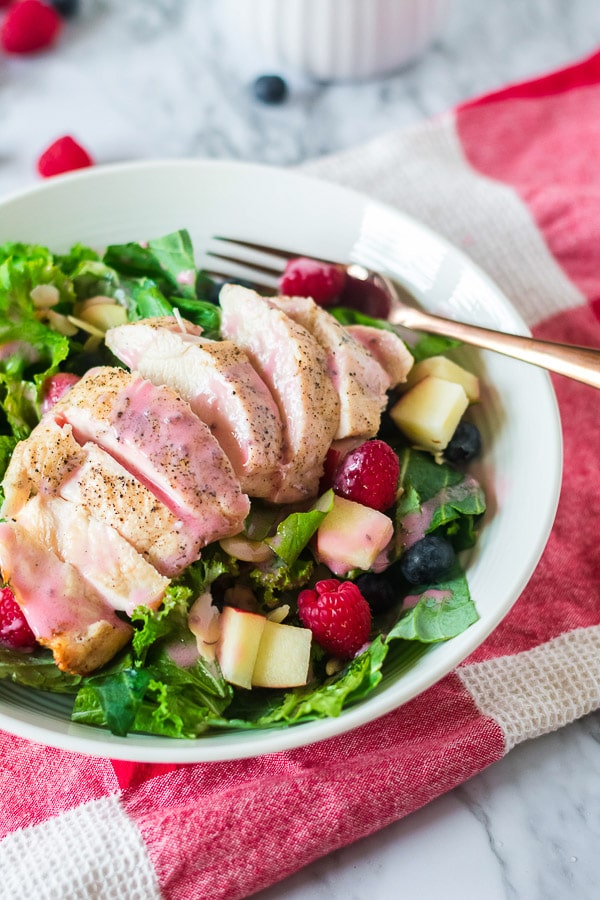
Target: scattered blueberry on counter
66, 8
270, 89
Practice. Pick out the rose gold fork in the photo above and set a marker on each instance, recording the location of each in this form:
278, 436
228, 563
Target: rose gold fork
580, 363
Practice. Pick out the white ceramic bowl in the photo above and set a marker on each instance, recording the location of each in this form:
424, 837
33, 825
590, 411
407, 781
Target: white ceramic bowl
337, 39
517, 416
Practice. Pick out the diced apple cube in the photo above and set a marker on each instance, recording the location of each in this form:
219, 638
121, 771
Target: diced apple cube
283, 656
238, 643
445, 368
429, 413
351, 536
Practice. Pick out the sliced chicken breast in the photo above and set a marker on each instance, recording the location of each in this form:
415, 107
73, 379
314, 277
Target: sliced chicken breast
154, 434
359, 380
40, 464
387, 348
51, 463
219, 382
102, 557
115, 496
293, 366
64, 612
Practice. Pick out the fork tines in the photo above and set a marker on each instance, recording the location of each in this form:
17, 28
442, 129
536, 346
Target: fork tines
247, 261
242, 262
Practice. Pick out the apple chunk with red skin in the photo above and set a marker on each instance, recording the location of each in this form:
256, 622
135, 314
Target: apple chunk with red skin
351, 536
238, 643
283, 657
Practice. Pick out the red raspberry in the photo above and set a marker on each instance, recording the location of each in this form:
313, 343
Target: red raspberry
29, 25
64, 155
366, 297
54, 387
338, 616
330, 466
369, 475
15, 633
304, 277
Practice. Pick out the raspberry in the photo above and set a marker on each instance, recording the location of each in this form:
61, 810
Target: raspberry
15, 633
366, 297
54, 387
369, 475
64, 155
29, 25
330, 466
304, 277
338, 616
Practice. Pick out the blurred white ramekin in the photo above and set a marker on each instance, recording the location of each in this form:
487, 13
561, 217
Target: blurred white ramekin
337, 39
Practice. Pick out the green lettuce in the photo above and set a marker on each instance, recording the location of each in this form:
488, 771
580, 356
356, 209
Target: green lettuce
425, 345
439, 612
37, 670
296, 530
160, 276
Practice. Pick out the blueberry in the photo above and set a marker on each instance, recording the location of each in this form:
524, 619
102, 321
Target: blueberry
270, 89
465, 443
66, 8
428, 560
378, 591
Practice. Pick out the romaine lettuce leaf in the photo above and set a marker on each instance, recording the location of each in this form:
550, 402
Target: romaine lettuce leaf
439, 612
161, 276
37, 670
271, 581
435, 498
426, 345
175, 256
297, 529
162, 698
169, 620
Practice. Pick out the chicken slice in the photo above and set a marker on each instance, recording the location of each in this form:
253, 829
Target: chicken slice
293, 366
40, 464
360, 381
154, 434
102, 557
64, 612
51, 463
219, 382
387, 348
111, 493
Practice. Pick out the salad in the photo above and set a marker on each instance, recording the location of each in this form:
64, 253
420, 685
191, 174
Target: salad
221, 510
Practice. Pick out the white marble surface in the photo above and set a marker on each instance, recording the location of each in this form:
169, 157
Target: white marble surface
155, 78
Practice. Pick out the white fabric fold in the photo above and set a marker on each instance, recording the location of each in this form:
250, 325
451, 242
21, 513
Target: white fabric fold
423, 171
92, 851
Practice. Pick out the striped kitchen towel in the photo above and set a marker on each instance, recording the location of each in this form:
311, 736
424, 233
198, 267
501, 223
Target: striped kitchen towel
512, 179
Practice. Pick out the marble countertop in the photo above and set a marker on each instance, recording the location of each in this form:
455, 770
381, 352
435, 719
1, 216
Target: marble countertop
157, 79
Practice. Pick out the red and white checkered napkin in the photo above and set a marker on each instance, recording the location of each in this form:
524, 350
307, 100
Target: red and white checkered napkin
513, 179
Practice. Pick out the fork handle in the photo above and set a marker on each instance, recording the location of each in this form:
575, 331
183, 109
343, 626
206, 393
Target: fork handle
579, 363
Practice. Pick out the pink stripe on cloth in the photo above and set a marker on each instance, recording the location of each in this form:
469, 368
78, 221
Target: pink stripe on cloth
225, 830
563, 592
39, 782
538, 137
